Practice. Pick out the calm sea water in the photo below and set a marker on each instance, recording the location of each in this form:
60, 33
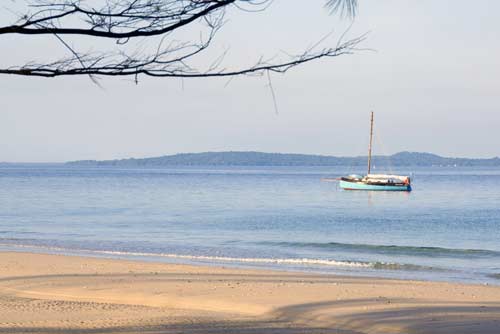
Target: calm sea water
285, 218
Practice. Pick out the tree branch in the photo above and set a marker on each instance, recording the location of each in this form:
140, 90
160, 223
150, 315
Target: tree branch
40, 29
123, 20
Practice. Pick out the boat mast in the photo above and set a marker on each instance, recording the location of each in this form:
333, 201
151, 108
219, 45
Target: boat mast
370, 146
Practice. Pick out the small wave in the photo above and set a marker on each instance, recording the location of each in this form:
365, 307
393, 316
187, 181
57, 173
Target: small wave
405, 267
240, 260
391, 249
302, 261
289, 261
495, 276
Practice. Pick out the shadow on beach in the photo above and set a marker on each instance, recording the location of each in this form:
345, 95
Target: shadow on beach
323, 317
73, 295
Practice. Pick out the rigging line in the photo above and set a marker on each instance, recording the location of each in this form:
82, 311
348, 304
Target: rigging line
370, 145
388, 162
360, 146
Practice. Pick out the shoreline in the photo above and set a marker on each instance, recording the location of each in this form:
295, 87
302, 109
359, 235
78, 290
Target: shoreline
42, 293
291, 265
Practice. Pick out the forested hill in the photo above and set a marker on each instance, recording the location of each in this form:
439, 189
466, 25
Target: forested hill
282, 159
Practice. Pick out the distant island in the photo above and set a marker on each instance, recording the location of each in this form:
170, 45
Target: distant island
285, 159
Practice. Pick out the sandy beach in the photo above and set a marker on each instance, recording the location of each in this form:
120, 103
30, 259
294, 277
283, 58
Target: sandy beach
67, 294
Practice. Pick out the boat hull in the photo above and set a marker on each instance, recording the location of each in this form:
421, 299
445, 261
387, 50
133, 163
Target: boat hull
346, 185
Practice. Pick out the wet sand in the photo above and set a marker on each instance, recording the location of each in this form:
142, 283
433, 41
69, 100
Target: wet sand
68, 294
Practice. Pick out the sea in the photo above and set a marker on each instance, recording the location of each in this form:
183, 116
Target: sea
280, 218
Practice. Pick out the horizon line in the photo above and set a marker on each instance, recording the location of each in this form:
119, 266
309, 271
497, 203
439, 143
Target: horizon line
250, 151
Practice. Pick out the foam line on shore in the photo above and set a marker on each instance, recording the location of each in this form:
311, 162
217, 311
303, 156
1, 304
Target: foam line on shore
219, 259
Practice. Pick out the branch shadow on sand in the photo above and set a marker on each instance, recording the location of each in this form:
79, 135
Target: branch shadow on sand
416, 316
324, 318
346, 316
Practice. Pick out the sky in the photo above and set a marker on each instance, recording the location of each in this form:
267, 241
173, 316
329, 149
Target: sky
430, 70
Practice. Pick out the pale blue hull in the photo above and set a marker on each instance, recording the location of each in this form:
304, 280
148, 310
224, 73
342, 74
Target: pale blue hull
363, 186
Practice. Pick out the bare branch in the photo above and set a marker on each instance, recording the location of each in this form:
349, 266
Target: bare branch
150, 21
140, 18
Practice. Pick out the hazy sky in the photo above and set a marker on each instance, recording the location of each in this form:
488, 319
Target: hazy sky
433, 82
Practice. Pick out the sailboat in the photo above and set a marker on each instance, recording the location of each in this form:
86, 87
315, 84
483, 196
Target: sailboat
384, 182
